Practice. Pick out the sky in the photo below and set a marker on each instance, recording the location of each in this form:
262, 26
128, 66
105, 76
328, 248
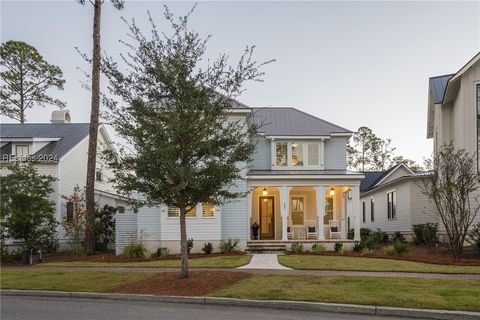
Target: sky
351, 63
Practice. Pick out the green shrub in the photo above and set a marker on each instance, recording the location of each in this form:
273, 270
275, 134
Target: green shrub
426, 233
229, 245
135, 250
319, 248
367, 252
378, 236
400, 247
398, 236
390, 250
364, 233
474, 237
370, 243
351, 234
297, 247
74, 248
338, 246
189, 245
345, 251
207, 248
358, 246
163, 252
10, 256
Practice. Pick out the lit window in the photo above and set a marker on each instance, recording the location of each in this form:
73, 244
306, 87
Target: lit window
191, 213
173, 212
208, 210
281, 154
21, 150
297, 211
297, 154
313, 156
392, 204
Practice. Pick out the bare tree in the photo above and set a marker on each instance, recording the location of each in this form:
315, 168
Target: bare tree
451, 185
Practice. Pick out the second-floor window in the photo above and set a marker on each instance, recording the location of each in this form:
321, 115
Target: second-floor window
21, 150
98, 172
281, 154
297, 154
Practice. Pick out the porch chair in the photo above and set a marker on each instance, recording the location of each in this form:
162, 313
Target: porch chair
290, 233
334, 229
311, 232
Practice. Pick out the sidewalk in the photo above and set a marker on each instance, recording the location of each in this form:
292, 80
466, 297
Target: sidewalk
267, 261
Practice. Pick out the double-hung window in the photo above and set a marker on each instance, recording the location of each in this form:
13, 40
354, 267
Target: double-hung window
21, 150
297, 154
313, 154
281, 154
372, 209
391, 205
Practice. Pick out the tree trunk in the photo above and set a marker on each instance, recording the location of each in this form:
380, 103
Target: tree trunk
183, 245
92, 141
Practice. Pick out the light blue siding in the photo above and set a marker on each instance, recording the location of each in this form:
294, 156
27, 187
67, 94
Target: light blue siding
261, 158
148, 223
336, 153
235, 215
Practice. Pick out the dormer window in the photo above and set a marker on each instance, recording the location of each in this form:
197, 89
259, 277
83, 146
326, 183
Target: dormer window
21, 150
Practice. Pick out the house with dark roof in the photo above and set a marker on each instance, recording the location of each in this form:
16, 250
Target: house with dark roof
297, 187
60, 149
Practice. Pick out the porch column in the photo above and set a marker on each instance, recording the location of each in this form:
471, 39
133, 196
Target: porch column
284, 209
356, 211
320, 193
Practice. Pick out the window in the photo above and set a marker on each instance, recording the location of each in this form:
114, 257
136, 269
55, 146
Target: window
363, 211
281, 154
21, 150
297, 211
208, 210
478, 127
313, 155
328, 210
173, 212
98, 172
192, 213
391, 204
372, 209
297, 154
69, 211
121, 209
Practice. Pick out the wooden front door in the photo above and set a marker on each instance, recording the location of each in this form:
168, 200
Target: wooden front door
267, 217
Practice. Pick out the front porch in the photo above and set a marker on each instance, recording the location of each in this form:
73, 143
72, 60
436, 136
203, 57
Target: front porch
304, 213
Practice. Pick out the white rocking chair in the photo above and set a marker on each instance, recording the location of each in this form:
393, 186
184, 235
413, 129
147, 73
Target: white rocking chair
334, 228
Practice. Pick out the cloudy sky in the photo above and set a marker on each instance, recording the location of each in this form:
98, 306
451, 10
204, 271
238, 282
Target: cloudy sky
351, 63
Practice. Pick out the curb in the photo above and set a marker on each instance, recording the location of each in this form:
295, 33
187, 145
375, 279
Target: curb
276, 304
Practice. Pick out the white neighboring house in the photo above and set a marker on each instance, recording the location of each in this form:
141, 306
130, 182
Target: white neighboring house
297, 184
393, 201
60, 149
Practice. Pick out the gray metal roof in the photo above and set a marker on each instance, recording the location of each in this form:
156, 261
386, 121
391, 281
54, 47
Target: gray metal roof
437, 87
275, 121
70, 135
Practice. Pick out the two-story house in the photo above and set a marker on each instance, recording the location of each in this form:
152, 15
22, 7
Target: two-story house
60, 149
298, 189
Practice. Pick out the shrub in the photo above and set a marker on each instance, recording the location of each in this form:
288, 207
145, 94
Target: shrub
104, 227
364, 233
358, 246
163, 252
135, 250
345, 251
390, 250
229, 245
207, 248
378, 236
400, 247
297, 247
425, 233
7, 256
474, 237
351, 234
398, 236
319, 248
370, 243
74, 248
338, 246
189, 245
367, 252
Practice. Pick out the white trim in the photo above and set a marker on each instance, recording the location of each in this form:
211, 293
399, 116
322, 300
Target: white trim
391, 172
387, 192
341, 134
305, 176
297, 137
29, 139
465, 67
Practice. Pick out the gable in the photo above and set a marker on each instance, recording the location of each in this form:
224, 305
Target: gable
401, 171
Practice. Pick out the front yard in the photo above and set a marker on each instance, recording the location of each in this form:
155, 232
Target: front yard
452, 294
319, 262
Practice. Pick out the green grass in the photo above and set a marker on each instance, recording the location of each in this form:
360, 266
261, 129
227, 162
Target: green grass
452, 294
208, 262
67, 280
310, 262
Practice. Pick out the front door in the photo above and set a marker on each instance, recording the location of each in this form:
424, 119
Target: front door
267, 218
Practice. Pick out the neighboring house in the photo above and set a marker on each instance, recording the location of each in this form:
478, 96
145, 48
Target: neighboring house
60, 149
298, 189
454, 112
393, 201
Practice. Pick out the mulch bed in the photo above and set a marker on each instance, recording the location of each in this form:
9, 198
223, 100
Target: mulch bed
199, 283
111, 257
418, 253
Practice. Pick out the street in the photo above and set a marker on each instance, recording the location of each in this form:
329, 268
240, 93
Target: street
13, 308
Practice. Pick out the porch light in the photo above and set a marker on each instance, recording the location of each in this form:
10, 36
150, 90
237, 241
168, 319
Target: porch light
332, 192
264, 191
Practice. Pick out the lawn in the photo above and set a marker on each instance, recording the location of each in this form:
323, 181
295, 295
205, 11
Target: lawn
452, 294
232, 261
311, 262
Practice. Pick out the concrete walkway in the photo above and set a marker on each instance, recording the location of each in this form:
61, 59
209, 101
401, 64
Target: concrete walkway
264, 261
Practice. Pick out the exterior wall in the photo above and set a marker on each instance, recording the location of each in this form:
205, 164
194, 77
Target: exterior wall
234, 214
261, 158
125, 231
422, 209
336, 153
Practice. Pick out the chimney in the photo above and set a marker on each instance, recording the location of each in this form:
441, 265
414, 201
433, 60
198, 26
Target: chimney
60, 116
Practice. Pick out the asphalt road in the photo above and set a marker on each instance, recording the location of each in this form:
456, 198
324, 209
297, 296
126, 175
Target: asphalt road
13, 308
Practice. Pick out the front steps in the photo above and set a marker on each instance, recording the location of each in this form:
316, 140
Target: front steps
265, 246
